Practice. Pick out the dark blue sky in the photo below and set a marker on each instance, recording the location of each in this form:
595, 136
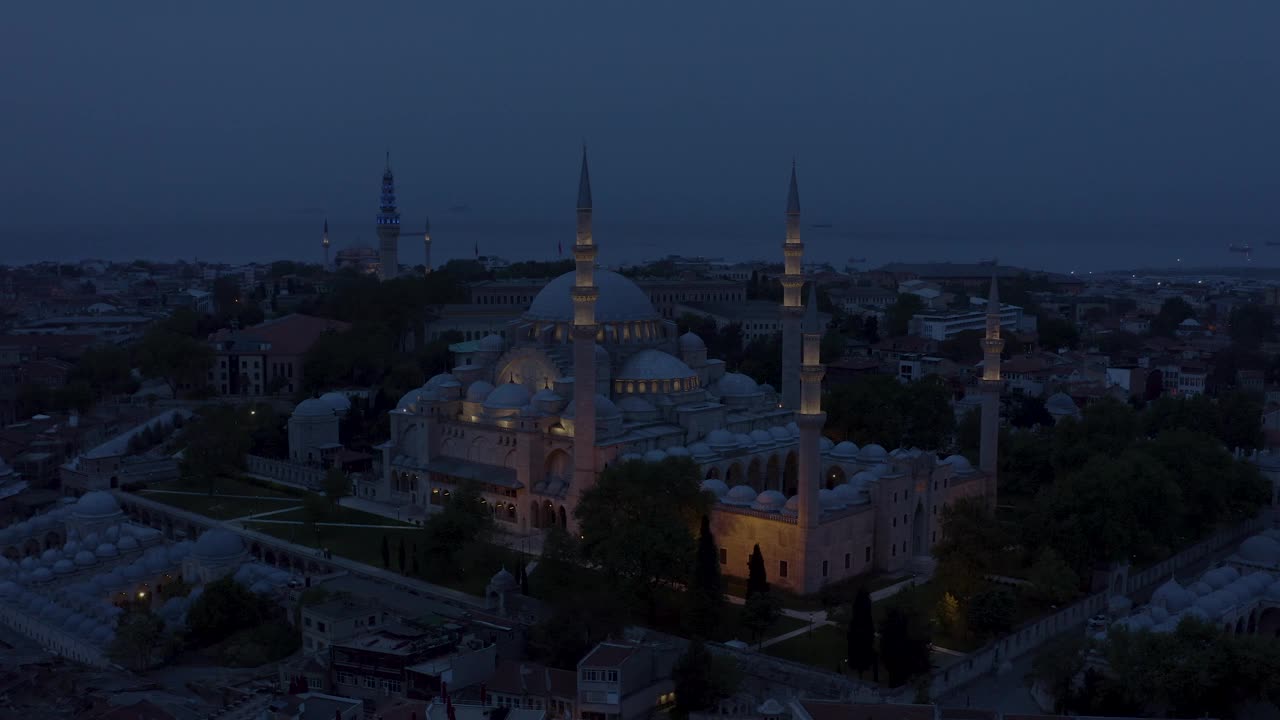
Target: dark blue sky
977, 111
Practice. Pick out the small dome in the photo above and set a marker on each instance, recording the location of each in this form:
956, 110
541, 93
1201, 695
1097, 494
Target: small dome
736, 385
1061, 404
1195, 611
98, 503
825, 444
792, 508
721, 438
70, 548
312, 407
1259, 580
64, 566
744, 441
845, 449
337, 401
1200, 588
106, 550
217, 544
546, 395
127, 543
959, 464
478, 391
443, 381
84, 558
27, 563
769, 501
508, 396
629, 457
1213, 604
503, 581
41, 575
740, 495
793, 428
655, 456
829, 500
133, 573
1260, 550
1172, 596
50, 556
1273, 592
764, 439
700, 450
1216, 578
872, 453
715, 486
677, 451
847, 493
1158, 613
491, 343
779, 433
650, 364
690, 342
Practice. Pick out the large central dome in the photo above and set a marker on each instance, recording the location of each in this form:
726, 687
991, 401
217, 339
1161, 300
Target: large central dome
620, 300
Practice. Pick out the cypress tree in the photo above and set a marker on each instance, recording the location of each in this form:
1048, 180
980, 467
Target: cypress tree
861, 634
706, 589
400, 554
757, 579
692, 678
386, 553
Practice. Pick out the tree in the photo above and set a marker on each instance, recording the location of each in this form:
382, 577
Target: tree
761, 611
224, 608
861, 635
138, 635
336, 485
947, 614
991, 612
965, 348
691, 677
871, 330
971, 545
1172, 313
386, 553
930, 422
182, 361
1056, 333
900, 313
1252, 325
904, 643
642, 505
757, 576
217, 441
314, 508
400, 555
705, 594
454, 537
1053, 582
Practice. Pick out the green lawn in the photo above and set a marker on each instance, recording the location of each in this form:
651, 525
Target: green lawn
825, 647
220, 507
228, 486
339, 514
841, 592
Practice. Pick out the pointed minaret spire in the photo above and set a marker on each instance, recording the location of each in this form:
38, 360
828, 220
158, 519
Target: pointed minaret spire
426, 244
325, 242
584, 183
388, 226
792, 285
810, 323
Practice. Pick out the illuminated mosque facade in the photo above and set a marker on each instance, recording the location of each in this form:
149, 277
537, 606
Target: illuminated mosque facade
591, 375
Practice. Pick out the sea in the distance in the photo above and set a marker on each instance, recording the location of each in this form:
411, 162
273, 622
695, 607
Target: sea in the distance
1061, 247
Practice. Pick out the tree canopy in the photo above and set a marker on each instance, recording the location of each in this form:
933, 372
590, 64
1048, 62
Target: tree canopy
454, 539
879, 409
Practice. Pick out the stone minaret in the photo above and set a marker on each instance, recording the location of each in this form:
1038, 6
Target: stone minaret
792, 283
426, 244
388, 226
810, 417
325, 242
584, 341
992, 345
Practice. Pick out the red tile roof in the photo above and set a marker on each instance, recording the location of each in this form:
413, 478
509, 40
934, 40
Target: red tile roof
292, 334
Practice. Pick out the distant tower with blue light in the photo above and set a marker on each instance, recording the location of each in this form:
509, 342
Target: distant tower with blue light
325, 242
388, 226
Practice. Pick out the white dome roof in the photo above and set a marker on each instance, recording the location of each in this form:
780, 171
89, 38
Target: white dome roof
740, 495
690, 342
769, 501
620, 300
98, 503
1260, 549
479, 390
336, 400
736, 385
650, 364
313, 407
845, 449
217, 544
872, 453
491, 343
506, 397
715, 486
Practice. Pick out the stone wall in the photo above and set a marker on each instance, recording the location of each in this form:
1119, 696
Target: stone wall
286, 473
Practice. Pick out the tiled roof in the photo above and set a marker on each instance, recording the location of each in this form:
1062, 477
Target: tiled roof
292, 334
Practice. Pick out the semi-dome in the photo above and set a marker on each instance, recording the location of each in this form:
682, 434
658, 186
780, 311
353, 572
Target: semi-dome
491, 343
715, 486
50, 556
411, 400
736, 385
508, 396
339, 402
769, 501
1261, 550
98, 503
620, 300
690, 342
479, 390
740, 495
546, 395
217, 544
845, 449
650, 364
41, 575
872, 453
313, 407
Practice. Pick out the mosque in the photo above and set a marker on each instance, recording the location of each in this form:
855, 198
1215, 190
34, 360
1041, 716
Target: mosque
592, 375
66, 575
